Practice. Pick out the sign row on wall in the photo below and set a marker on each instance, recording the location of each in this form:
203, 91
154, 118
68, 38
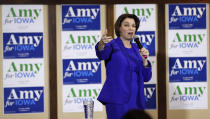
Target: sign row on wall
187, 51
23, 59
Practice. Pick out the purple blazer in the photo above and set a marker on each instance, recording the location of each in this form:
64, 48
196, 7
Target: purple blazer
117, 87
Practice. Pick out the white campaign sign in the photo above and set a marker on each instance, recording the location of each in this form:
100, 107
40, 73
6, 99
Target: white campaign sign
74, 95
23, 72
145, 12
152, 59
188, 95
80, 44
190, 43
21, 18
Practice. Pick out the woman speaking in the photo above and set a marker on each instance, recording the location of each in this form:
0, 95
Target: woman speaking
127, 68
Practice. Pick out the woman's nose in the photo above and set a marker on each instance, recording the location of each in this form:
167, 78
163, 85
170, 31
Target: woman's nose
130, 27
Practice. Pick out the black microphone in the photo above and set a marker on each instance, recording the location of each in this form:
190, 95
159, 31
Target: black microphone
136, 39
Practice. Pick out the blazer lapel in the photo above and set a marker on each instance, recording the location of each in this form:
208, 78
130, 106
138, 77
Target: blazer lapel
136, 51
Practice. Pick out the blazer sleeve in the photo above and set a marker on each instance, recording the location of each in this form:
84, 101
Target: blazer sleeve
147, 72
104, 54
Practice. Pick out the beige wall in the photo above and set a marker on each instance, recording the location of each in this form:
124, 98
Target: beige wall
171, 114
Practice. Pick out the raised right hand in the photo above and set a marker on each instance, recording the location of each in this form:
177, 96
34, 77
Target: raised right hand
105, 38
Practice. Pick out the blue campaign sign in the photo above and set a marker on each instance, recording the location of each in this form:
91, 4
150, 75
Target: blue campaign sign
187, 69
150, 95
23, 100
147, 39
22, 45
187, 16
81, 71
81, 17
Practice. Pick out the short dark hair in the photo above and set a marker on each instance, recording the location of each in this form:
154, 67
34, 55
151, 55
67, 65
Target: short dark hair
136, 114
120, 20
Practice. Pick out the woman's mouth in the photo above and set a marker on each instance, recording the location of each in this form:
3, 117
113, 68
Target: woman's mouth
130, 33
